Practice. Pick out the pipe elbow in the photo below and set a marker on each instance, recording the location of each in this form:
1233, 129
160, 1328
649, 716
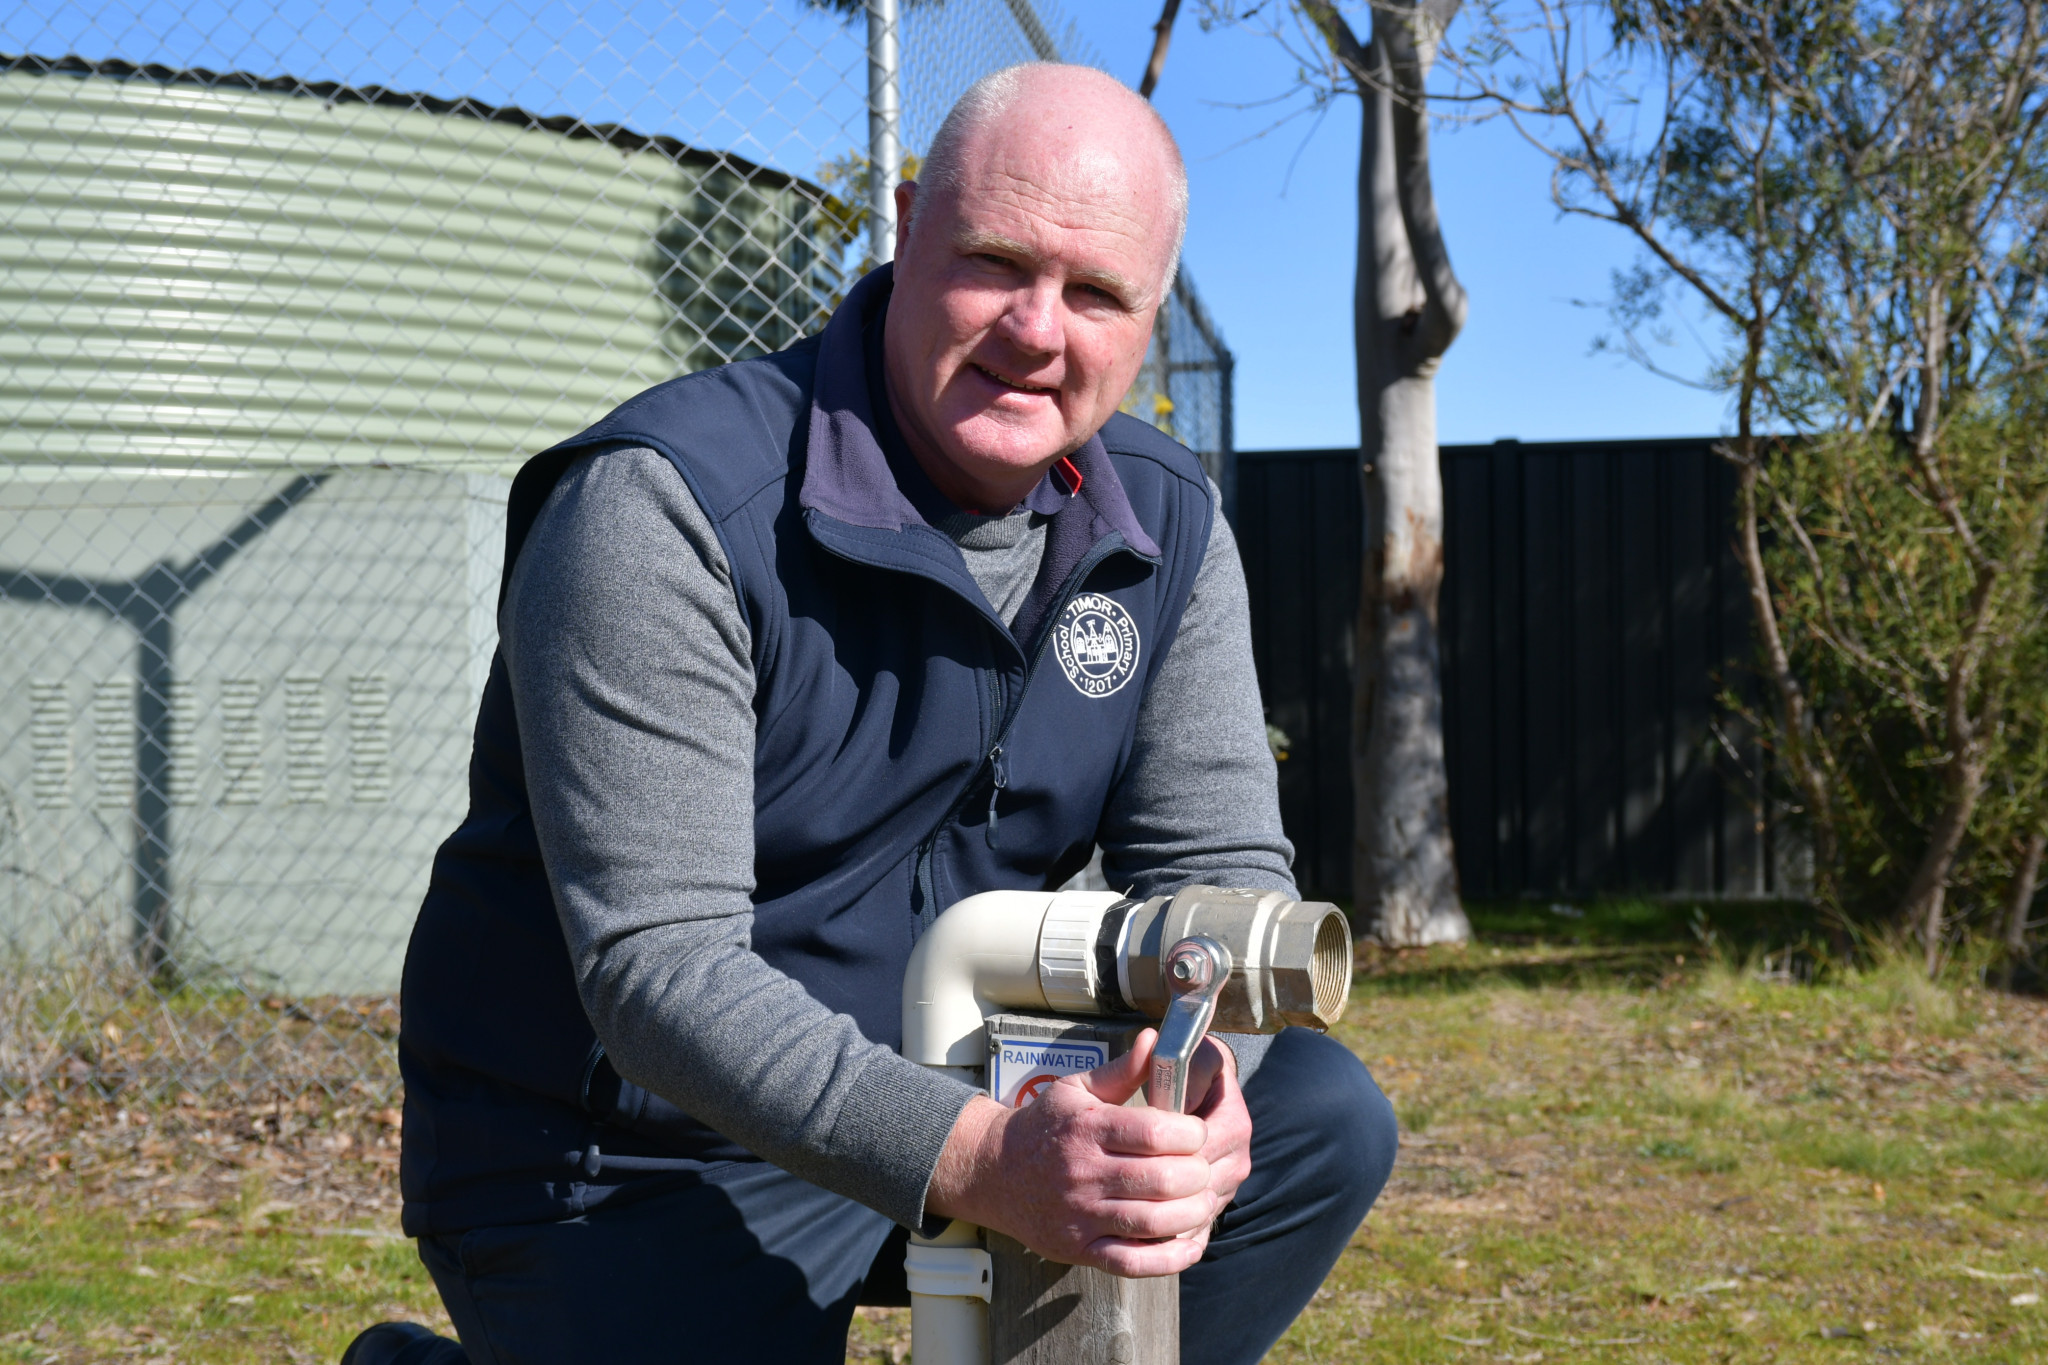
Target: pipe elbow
1082, 953
986, 954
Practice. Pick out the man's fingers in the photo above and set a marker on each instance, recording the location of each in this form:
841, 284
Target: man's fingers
1138, 1260
1147, 1132
1153, 1219
1155, 1178
1130, 1130
1205, 1075
1120, 1078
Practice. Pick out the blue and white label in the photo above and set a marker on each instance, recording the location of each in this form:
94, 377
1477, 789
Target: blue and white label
1096, 642
1020, 1068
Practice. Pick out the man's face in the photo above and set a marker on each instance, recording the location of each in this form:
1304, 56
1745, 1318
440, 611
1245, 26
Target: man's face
1024, 302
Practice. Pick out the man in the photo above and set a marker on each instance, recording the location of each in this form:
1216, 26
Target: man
779, 680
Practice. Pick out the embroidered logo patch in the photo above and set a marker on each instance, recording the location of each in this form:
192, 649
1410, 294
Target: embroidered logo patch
1096, 643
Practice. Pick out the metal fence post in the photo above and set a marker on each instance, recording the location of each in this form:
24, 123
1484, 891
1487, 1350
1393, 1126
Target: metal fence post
885, 118
1229, 435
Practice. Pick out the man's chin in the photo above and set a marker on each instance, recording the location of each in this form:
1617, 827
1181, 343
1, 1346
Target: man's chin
1006, 451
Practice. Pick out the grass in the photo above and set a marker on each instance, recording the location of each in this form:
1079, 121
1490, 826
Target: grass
265, 1232
85, 1284
1645, 1150
1611, 1154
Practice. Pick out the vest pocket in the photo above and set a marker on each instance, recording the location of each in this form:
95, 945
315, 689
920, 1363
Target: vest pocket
615, 1102
607, 1096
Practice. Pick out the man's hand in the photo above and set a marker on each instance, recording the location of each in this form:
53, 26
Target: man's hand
1229, 1147
1080, 1179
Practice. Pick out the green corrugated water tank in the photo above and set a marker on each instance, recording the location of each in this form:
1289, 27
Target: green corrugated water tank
267, 350
215, 271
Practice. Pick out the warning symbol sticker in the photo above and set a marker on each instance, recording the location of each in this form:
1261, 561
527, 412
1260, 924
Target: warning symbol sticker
1021, 1068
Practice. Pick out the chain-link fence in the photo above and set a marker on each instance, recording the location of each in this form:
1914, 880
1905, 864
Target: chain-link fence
288, 292
1185, 386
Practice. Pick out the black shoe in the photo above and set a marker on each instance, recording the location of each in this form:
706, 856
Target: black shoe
402, 1343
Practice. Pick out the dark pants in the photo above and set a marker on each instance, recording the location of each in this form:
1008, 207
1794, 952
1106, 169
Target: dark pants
750, 1264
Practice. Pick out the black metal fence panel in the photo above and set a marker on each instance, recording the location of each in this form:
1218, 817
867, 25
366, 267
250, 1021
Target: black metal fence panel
1298, 528
1593, 615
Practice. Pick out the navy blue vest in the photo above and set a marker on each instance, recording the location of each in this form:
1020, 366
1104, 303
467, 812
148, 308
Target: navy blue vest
910, 750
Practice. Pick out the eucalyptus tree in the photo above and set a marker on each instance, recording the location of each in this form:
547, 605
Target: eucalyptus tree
1407, 308
1855, 196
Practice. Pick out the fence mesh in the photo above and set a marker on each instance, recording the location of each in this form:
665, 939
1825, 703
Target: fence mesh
289, 291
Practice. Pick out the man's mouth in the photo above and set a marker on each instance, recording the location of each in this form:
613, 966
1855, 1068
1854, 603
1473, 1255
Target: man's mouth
1011, 384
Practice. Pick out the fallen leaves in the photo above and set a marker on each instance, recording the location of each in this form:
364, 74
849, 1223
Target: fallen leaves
214, 1167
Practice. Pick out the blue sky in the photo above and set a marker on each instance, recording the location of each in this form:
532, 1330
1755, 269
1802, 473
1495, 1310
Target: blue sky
1272, 254
1273, 224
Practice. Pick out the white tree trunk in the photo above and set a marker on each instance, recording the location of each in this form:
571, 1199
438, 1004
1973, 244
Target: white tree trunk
1408, 307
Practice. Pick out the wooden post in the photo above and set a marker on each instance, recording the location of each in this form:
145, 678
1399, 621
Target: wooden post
1044, 1313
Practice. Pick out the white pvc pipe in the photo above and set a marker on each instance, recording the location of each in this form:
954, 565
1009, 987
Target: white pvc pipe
949, 1277
982, 957
996, 951
1046, 952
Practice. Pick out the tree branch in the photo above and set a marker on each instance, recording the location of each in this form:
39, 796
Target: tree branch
1350, 53
1162, 34
1408, 57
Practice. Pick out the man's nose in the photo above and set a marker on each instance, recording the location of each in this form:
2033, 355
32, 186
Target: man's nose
1033, 322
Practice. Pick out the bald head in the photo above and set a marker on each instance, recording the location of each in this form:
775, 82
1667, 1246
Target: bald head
1090, 121
1032, 255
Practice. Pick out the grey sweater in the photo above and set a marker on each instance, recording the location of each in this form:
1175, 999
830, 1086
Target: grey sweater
633, 682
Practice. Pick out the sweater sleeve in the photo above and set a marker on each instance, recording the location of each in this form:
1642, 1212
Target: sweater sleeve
1199, 800
633, 682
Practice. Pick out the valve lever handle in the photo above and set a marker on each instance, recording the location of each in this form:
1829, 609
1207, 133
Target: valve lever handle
1195, 970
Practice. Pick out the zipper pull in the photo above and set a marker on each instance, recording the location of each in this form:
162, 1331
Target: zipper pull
999, 772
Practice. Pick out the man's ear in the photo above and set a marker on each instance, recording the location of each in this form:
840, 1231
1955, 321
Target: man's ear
906, 197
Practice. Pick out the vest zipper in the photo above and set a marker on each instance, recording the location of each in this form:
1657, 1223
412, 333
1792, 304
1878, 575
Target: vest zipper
999, 778
997, 762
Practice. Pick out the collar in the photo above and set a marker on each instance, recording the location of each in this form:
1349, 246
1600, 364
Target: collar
1060, 483
850, 477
